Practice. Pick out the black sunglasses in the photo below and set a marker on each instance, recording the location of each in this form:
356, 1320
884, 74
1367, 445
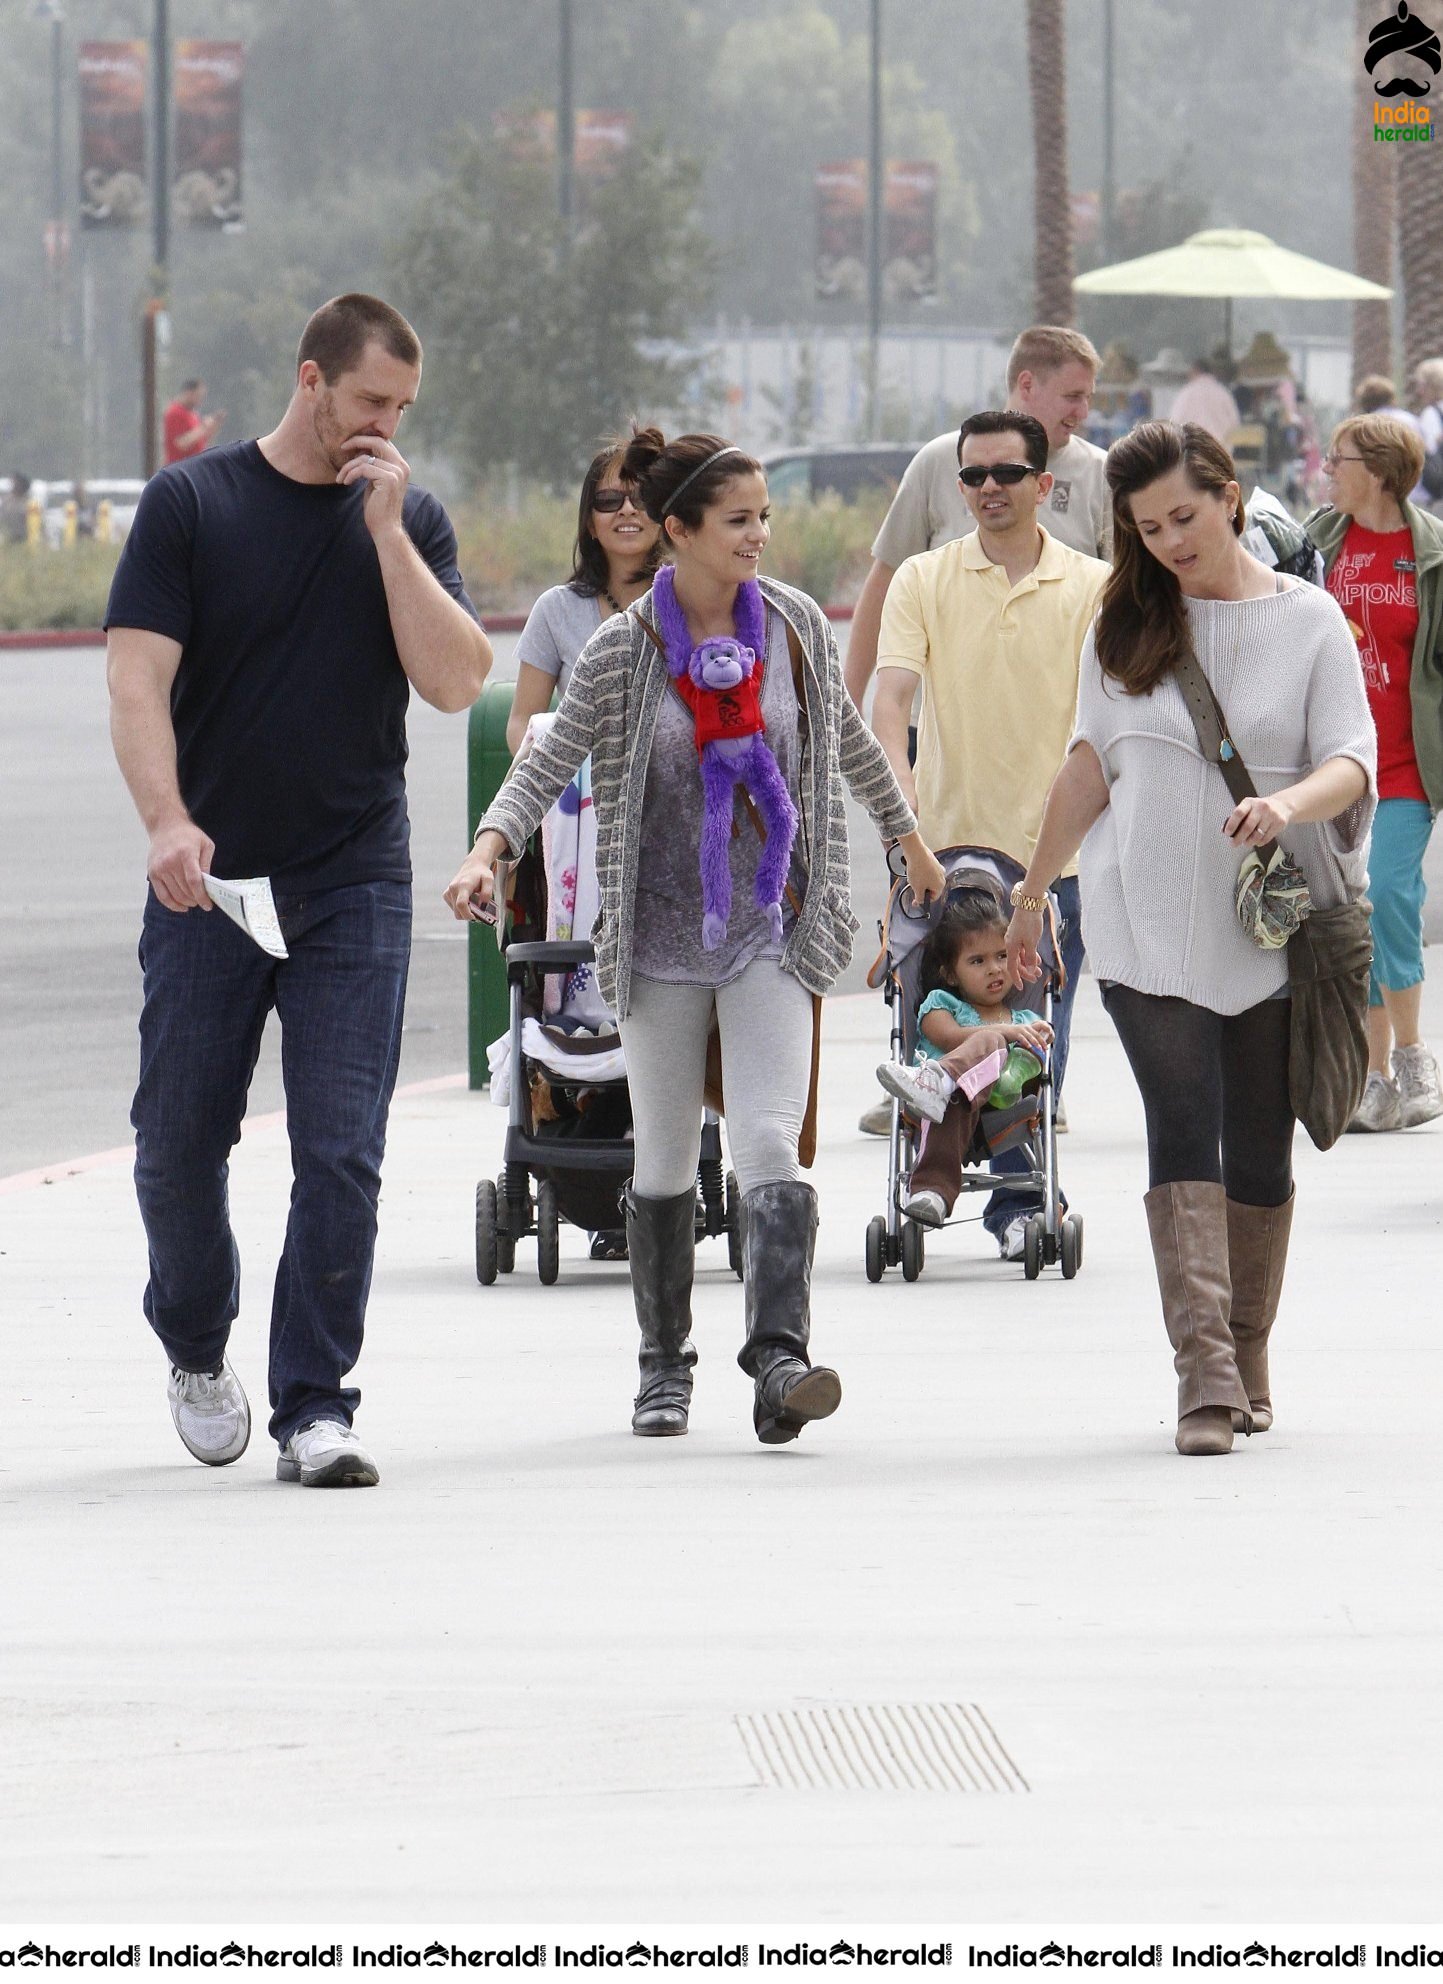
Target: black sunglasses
608, 501
1005, 474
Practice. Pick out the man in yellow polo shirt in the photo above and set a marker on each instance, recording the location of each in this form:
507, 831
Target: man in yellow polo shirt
993, 624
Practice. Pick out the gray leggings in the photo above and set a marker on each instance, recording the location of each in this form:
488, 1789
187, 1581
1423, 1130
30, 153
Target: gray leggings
765, 1018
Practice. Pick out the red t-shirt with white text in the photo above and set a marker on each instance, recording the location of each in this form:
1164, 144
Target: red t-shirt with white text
180, 420
1375, 582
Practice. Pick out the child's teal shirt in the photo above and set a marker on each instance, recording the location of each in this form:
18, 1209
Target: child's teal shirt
959, 1010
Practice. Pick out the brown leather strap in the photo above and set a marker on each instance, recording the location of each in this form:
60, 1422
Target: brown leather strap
1212, 735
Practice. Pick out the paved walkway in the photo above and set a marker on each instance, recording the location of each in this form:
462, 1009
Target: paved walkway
546, 1670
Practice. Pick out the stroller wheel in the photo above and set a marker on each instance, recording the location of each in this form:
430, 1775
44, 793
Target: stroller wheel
505, 1253
914, 1250
548, 1233
1070, 1238
486, 1249
734, 1225
1034, 1238
876, 1248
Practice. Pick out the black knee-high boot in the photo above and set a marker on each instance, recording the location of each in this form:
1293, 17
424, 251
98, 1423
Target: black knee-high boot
661, 1242
779, 1236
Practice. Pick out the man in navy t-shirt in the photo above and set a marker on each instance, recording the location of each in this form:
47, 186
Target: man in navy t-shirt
274, 606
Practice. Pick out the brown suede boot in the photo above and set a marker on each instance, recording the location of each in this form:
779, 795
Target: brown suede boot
1258, 1256
1189, 1228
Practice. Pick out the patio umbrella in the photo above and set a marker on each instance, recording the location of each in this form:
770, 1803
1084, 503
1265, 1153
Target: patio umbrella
1226, 262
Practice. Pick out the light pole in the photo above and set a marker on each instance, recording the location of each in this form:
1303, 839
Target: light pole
57, 232
150, 323
875, 171
566, 120
1109, 185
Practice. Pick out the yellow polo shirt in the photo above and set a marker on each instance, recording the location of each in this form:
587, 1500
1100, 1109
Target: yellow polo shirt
998, 665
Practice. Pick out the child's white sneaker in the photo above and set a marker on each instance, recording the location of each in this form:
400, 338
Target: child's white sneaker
926, 1208
923, 1091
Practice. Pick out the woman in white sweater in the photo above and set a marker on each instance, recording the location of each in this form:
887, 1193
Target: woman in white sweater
1202, 1011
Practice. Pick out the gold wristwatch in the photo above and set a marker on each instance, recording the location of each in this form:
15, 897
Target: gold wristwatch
1020, 901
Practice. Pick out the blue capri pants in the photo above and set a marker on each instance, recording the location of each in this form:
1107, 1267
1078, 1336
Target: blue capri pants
1401, 830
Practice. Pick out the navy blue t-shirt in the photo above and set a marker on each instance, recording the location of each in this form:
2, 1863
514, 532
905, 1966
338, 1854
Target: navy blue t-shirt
289, 704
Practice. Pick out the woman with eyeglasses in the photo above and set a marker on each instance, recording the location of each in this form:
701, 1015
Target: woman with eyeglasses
1384, 563
675, 958
1203, 1012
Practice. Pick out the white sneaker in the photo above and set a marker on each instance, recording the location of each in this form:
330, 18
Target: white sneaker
1059, 1120
1381, 1107
927, 1208
923, 1091
211, 1412
1012, 1241
326, 1454
876, 1121
1420, 1094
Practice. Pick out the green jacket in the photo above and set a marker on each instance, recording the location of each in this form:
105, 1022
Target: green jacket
1327, 528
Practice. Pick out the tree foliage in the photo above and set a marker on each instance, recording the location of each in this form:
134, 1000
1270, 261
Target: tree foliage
535, 343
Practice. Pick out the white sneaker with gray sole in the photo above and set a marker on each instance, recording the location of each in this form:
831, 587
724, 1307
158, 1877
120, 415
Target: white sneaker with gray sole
211, 1412
923, 1091
1420, 1095
326, 1454
927, 1208
1381, 1107
1012, 1240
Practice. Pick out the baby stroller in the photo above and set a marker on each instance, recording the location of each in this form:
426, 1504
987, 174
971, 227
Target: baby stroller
1052, 1237
568, 1150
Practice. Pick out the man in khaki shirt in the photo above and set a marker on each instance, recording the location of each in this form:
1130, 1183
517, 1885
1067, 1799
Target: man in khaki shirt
993, 625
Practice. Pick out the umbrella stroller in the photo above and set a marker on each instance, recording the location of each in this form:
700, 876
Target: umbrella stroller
568, 1150
1052, 1236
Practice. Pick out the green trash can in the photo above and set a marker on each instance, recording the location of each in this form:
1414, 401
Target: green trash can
487, 762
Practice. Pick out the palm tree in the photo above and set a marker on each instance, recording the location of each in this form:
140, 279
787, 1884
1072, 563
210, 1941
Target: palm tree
1374, 200
1420, 229
1051, 203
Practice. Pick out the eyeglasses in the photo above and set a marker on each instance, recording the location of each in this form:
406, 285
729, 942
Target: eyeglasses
1332, 460
1005, 474
609, 501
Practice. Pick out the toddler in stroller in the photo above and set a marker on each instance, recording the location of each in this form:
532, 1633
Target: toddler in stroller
976, 1047
971, 1068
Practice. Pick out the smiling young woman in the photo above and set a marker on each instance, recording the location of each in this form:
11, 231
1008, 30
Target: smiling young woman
1204, 1014
669, 974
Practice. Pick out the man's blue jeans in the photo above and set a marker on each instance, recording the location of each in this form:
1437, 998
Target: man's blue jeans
339, 998
1004, 1207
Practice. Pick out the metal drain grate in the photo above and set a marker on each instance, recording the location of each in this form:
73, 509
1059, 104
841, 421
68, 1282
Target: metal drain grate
892, 1746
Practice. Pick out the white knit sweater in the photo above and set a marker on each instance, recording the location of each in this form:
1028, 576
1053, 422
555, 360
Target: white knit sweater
1158, 876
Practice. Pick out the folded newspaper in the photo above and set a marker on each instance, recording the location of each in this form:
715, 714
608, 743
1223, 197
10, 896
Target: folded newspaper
253, 907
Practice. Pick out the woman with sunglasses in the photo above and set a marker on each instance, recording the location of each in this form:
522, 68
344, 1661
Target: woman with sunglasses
1204, 1014
667, 970
1384, 562
612, 564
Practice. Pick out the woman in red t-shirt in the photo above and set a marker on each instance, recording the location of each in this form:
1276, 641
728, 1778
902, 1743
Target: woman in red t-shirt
1379, 551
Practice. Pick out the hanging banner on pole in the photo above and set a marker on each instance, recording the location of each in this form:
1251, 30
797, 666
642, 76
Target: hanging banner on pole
112, 79
207, 186
910, 231
841, 263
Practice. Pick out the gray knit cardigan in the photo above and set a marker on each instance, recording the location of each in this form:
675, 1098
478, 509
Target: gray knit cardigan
610, 709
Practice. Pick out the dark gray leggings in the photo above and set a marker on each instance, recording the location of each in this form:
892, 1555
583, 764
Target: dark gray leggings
1214, 1091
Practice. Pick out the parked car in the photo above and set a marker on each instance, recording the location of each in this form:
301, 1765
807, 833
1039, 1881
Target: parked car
801, 474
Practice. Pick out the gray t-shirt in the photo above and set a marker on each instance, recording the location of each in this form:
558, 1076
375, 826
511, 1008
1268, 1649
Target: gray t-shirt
928, 509
557, 628
668, 942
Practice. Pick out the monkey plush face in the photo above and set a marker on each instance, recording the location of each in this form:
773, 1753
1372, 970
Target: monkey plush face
721, 664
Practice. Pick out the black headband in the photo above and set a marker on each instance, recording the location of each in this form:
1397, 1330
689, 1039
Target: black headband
687, 481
